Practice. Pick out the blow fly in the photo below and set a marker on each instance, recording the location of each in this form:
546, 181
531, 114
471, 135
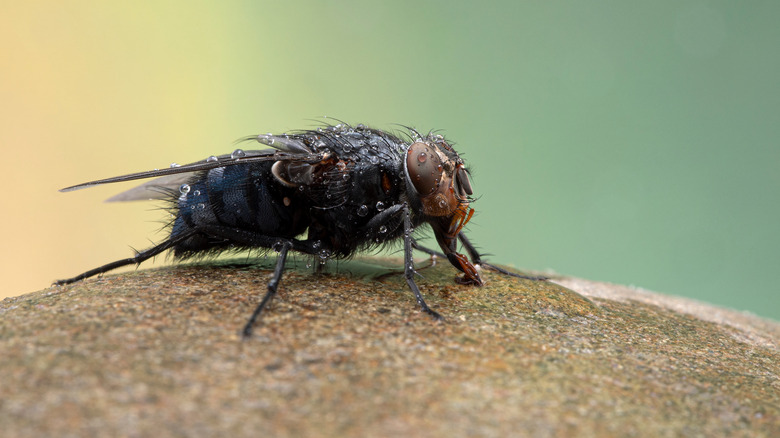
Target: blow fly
347, 189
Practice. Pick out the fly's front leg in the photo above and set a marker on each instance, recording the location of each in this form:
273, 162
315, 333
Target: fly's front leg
476, 258
430, 252
409, 264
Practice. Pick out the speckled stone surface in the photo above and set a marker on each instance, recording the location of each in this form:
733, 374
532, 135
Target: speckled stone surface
347, 353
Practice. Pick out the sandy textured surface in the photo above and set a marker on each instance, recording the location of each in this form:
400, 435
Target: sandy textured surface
347, 353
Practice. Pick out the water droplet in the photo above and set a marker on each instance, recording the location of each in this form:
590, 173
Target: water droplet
184, 189
345, 177
422, 157
196, 193
174, 165
380, 206
374, 159
347, 148
442, 203
212, 159
362, 211
201, 206
316, 244
360, 126
382, 229
238, 153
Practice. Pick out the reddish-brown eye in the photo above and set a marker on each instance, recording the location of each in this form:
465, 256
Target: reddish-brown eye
424, 168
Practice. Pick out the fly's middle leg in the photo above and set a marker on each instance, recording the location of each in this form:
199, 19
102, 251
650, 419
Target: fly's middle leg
409, 265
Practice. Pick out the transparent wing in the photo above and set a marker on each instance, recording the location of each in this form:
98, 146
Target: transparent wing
285, 148
210, 163
158, 188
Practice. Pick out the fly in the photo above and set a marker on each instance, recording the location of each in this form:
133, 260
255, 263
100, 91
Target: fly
347, 189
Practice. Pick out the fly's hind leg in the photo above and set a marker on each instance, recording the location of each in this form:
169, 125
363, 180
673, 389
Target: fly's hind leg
239, 236
139, 258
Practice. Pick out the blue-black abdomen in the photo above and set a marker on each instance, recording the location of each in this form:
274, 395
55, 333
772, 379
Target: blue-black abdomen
243, 197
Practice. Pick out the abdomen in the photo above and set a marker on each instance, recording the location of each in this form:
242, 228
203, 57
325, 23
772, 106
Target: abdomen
243, 197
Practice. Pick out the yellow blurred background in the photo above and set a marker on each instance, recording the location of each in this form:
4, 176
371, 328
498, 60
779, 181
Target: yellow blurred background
632, 142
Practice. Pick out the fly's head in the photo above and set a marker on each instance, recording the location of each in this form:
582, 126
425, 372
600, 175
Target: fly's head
441, 183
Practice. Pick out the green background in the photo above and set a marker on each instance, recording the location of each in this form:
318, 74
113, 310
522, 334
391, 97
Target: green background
625, 141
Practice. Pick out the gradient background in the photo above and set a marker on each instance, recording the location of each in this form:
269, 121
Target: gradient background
627, 141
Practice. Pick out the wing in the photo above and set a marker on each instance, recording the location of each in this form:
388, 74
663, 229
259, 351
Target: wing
158, 188
286, 148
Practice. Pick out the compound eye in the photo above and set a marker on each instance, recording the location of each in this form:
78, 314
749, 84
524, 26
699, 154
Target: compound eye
463, 183
424, 168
